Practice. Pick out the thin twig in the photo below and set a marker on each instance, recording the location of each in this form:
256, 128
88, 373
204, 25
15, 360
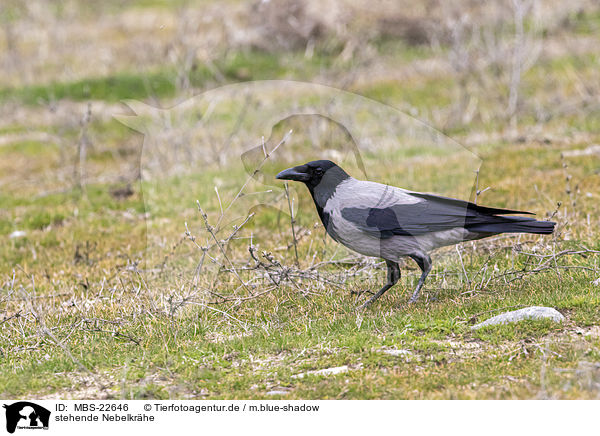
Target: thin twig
210, 230
292, 221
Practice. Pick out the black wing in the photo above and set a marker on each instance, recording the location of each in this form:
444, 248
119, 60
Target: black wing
432, 214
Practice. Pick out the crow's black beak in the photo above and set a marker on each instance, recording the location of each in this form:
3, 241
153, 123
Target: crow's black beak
293, 174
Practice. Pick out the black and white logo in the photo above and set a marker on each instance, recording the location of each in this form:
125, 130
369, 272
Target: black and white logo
26, 415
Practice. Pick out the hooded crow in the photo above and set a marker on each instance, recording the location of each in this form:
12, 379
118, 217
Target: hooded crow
388, 222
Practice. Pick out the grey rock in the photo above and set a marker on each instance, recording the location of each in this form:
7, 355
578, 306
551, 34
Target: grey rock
329, 371
326, 371
278, 392
533, 312
398, 352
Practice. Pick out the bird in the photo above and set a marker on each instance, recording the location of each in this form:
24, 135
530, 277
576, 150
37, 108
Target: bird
390, 223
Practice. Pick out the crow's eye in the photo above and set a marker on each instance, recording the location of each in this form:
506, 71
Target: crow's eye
319, 172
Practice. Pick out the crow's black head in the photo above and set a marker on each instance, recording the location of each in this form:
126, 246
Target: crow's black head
311, 173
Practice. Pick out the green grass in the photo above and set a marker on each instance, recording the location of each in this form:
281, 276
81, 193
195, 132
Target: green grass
187, 356
586, 23
112, 89
139, 350
237, 66
89, 298
434, 92
28, 148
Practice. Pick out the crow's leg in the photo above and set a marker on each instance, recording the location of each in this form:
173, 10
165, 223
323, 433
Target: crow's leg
393, 275
424, 262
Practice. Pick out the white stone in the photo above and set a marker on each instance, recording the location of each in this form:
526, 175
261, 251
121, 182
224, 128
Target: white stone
326, 371
533, 312
398, 352
277, 392
17, 234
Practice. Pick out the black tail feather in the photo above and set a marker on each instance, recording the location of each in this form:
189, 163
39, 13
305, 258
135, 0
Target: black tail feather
514, 225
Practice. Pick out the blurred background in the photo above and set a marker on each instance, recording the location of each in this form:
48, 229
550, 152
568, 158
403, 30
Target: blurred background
481, 72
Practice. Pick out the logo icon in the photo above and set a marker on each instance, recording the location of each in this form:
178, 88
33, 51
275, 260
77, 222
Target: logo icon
26, 415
